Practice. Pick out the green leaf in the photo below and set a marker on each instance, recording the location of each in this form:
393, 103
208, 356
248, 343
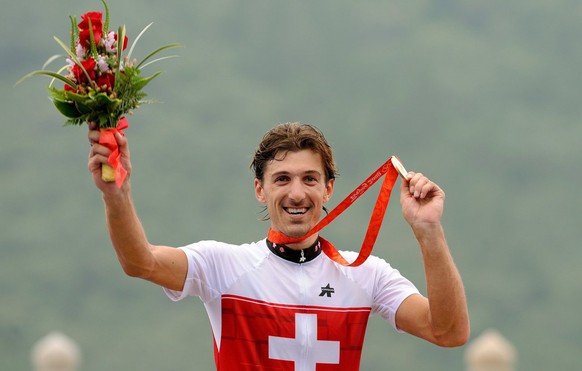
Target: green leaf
92, 40
48, 73
50, 60
120, 39
104, 99
169, 46
157, 60
106, 25
74, 97
82, 107
69, 52
67, 109
105, 122
136, 40
74, 32
140, 82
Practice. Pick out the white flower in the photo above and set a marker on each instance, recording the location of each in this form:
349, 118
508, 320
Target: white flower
102, 63
80, 51
108, 41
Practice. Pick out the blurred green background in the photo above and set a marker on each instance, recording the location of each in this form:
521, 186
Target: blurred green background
483, 96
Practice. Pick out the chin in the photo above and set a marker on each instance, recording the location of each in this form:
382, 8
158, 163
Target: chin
296, 232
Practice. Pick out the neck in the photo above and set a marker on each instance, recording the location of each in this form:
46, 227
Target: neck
294, 243
309, 241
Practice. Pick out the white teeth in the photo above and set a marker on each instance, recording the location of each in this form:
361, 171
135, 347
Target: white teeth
296, 211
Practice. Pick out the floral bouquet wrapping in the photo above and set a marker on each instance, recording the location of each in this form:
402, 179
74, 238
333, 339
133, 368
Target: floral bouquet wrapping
101, 84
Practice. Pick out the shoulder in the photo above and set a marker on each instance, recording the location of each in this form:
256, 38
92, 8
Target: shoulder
375, 274
210, 251
212, 246
372, 263
369, 274
214, 266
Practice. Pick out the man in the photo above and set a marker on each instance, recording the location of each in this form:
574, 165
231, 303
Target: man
280, 307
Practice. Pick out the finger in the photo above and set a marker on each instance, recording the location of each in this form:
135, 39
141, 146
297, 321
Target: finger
404, 187
95, 162
426, 189
99, 150
121, 139
415, 183
93, 137
421, 186
123, 144
93, 134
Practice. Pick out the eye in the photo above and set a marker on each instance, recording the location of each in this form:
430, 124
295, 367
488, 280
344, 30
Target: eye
281, 179
311, 179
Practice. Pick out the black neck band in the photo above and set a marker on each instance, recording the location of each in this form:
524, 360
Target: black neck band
295, 256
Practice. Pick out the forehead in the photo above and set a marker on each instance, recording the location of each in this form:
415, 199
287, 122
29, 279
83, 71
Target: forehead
302, 161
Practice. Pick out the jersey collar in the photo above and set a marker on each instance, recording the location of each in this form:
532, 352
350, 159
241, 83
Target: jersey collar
295, 256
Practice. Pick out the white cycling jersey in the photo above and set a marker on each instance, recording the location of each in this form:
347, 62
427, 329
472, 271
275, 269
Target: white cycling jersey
272, 308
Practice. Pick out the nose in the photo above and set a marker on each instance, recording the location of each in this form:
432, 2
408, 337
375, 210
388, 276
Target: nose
296, 192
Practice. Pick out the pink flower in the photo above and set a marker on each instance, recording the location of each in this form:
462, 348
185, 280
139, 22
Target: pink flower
109, 41
102, 63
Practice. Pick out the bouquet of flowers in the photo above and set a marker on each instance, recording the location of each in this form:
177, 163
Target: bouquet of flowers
101, 84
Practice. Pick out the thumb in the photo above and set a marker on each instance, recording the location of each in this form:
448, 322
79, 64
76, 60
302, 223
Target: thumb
121, 140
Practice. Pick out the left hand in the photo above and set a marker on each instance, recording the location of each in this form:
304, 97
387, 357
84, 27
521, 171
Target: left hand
422, 201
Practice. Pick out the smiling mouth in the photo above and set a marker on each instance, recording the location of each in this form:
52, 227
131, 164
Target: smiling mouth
296, 210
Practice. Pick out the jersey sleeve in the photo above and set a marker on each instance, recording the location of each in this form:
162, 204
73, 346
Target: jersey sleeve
213, 267
391, 288
198, 279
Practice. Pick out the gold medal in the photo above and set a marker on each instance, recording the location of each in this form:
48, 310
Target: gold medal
399, 167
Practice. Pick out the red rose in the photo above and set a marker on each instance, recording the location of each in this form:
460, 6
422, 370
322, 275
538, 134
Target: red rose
89, 66
107, 79
96, 25
124, 42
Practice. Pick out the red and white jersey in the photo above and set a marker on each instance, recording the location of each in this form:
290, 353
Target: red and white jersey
269, 313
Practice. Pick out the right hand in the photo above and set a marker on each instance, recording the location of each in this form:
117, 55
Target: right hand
99, 154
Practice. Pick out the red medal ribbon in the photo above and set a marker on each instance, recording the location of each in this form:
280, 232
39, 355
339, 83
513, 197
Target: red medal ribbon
375, 220
107, 138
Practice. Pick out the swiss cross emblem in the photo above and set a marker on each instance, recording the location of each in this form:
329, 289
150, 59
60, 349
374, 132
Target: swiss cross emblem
258, 335
320, 351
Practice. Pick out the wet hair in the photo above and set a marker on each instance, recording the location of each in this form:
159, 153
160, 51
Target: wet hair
293, 136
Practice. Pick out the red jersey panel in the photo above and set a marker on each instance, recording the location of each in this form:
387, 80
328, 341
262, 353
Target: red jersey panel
257, 335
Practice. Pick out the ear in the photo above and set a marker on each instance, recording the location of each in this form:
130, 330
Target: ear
259, 191
328, 190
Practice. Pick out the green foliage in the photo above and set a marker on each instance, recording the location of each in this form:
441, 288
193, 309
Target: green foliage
101, 107
90, 101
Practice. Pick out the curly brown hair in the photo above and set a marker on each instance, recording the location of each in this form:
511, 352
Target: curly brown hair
293, 136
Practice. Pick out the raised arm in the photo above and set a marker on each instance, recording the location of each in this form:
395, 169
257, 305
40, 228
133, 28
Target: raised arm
442, 318
163, 265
